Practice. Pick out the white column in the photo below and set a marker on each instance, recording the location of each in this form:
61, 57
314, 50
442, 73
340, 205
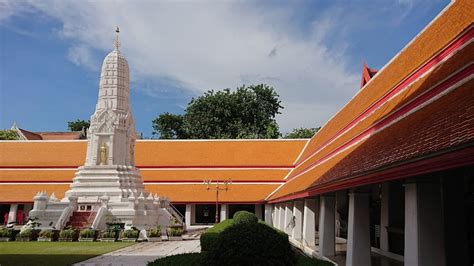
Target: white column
288, 218
268, 214
12, 213
258, 211
327, 237
384, 217
282, 216
297, 231
277, 216
309, 222
224, 215
424, 238
358, 234
188, 214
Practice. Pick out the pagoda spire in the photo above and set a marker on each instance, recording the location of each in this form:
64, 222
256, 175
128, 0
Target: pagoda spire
117, 41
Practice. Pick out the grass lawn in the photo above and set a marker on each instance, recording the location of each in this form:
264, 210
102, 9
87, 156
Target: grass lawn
53, 253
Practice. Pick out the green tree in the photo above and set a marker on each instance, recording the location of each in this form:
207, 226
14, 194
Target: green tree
302, 133
8, 135
169, 126
247, 112
78, 125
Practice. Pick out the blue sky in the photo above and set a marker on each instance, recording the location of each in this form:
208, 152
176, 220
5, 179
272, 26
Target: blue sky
310, 51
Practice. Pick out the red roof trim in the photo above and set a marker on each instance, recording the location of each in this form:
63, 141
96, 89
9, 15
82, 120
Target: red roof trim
220, 202
149, 181
165, 166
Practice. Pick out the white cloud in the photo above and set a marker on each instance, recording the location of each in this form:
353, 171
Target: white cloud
82, 56
215, 45
7, 9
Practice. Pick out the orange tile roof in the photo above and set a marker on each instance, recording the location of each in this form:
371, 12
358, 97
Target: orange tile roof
26, 192
328, 161
442, 31
256, 167
415, 136
422, 85
253, 175
219, 153
179, 193
241, 153
42, 153
181, 175
27, 175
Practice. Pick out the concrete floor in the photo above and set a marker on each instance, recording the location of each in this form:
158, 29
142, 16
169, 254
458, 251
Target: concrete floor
341, 248
142, 253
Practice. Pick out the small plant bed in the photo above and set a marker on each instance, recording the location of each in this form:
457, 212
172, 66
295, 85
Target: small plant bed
68, 235
48, 235
175, 233
27, 235
129, 235
108, 236
6, 234
87, 235
52, 253
154, 234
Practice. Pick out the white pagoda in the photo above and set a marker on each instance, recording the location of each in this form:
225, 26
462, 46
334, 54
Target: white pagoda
109, 186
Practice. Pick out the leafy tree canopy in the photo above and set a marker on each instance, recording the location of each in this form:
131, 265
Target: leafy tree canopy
302, 133
248, 112
8, 135
78, 125
169, 126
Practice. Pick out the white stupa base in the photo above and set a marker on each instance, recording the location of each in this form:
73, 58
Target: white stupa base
118, 182
117, 190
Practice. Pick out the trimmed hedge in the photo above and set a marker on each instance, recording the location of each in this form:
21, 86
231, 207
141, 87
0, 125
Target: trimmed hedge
196, 259
250, 244
209, 238
245, 217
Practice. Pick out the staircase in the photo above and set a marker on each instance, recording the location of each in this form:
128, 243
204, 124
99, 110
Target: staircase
80, 220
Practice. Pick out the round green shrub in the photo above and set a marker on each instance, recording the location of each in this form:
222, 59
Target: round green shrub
250, 244
245, 217
208, 238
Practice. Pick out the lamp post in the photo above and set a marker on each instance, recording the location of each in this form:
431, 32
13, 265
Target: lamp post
219, 187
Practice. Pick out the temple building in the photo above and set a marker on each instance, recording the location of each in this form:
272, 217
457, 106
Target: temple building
390, 175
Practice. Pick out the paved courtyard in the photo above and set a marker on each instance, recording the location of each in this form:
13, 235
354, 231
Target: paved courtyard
142, 253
